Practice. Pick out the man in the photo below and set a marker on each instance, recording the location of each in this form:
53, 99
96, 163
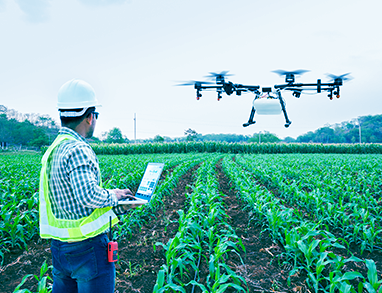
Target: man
75, 211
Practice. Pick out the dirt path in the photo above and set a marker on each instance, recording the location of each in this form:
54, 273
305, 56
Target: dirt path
139, 265
260, 267
19, 263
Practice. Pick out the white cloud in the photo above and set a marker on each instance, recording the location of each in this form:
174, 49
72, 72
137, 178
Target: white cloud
36, 11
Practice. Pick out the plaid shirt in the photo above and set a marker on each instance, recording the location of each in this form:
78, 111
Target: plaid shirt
74, 177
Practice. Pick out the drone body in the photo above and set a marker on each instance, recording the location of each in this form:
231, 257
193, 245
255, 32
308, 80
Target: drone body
221, 85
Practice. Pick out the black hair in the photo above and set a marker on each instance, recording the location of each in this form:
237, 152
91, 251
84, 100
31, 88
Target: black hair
73, 122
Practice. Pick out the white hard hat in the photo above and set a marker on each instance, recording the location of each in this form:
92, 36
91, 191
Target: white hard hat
76, 94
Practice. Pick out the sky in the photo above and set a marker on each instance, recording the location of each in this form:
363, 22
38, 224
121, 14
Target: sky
134, 53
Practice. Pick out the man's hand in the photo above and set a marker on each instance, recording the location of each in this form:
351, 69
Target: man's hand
126, 193
123, 193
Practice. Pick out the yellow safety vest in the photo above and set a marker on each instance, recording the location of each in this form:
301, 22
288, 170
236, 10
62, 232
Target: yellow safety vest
68, 230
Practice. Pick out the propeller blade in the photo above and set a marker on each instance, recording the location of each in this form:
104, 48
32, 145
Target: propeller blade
221, 74
296, 72
343, 77
193, 82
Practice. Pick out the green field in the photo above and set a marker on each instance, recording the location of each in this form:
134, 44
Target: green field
324, 211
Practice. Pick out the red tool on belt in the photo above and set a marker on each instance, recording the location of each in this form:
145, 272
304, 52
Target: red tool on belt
112, 248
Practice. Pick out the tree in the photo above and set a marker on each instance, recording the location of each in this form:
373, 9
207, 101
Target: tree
158, 138
325, 135
94, 139
368, 127
3, 109
114, 136
264, 137
5, 129
289, 139
307, 137
40, 138
191, 134
24, 133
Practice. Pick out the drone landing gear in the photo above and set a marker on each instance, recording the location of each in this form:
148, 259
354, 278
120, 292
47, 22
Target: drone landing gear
283, 108
250, 120
198, 95
335, 92
282, 103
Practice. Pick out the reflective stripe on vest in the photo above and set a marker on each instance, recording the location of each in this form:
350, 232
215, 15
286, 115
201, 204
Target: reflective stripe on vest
68, 230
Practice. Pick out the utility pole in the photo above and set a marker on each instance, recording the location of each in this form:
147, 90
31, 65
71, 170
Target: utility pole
135, 129
360, 134
359, 130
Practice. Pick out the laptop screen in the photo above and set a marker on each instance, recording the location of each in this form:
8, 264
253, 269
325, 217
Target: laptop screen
149, 181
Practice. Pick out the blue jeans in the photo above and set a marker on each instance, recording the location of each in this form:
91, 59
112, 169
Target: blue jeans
82, 266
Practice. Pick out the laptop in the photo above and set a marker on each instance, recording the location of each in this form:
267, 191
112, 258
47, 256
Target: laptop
147, 186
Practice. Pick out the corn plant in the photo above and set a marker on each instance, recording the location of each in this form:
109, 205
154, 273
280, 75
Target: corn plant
311, 183
204, 234
372, 285
42, 279
307, 243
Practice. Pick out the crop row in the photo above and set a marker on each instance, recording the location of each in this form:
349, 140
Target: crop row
342, 194
19, 183
235, 148
174, 171
306, 245
19, 180
204, 239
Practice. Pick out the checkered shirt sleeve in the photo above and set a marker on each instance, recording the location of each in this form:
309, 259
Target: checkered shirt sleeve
74, 180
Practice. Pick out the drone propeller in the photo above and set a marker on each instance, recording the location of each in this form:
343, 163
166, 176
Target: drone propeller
343, 77
296, 72
219, 77
197, 85
221, 74
289, 75
194, 82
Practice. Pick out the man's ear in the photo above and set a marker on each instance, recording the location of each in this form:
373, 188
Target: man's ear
89, 119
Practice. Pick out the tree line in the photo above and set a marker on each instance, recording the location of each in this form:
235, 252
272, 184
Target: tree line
25, 130
365, 129
35, 130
